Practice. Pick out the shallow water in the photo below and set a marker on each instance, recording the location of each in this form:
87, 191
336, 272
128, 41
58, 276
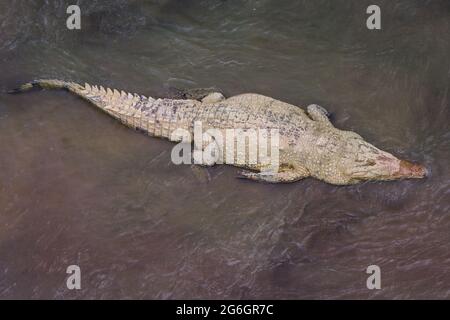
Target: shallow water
77, 187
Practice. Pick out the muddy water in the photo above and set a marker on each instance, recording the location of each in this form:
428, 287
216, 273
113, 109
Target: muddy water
76, 187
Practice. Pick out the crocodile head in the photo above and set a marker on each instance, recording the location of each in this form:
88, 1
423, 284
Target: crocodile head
354, 160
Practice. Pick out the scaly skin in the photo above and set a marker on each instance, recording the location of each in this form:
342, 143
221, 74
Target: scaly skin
309, 145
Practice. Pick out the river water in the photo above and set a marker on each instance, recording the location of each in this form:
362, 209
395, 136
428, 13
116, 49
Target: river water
78, 188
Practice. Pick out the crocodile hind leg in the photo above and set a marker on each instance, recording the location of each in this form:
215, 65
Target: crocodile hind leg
207, 95
213, 97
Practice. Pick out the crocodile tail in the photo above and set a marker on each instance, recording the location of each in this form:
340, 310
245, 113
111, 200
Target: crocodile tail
124, 106
97, 97
47, 84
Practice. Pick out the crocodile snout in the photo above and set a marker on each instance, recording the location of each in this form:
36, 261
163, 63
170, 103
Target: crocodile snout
411, 170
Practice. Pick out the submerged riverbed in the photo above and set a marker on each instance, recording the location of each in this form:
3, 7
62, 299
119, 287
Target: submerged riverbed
79, 188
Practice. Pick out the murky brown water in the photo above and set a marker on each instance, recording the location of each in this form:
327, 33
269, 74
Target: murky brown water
76, 187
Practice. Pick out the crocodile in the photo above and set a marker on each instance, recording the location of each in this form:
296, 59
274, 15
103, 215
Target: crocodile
309, 144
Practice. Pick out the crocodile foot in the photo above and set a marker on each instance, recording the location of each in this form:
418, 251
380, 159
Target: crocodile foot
207, 95
273, 177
